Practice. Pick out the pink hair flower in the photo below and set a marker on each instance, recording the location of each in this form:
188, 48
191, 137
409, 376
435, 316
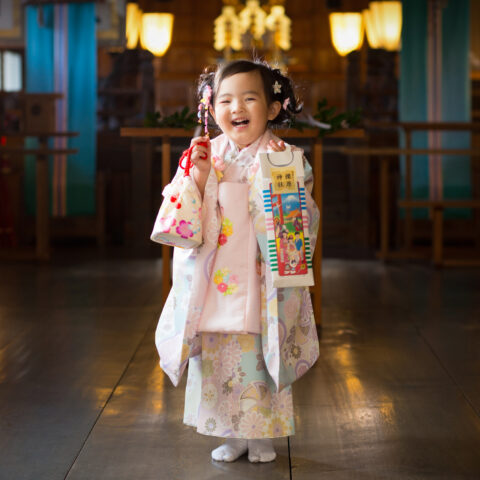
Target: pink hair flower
286, 103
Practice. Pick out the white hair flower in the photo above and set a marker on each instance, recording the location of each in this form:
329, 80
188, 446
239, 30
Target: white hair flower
277, 88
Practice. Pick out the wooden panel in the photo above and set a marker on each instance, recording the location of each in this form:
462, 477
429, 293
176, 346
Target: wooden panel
312, 53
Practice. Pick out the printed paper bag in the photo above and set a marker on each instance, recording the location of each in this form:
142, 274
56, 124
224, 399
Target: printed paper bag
286, 219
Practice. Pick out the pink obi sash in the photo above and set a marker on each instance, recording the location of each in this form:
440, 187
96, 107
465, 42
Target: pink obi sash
232, 303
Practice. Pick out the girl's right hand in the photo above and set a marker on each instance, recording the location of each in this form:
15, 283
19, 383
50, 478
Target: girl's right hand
200, 158
201, 154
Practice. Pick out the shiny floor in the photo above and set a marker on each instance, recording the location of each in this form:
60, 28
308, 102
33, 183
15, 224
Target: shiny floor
395, 394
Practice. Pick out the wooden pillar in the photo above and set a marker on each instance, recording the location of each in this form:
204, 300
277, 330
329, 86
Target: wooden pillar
142, 153
437, 236
384, 209
100, 193
42, 220
166, 280
408, 190
317, 257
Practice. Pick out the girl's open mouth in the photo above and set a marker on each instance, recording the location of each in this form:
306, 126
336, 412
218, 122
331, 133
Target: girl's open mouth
239, 123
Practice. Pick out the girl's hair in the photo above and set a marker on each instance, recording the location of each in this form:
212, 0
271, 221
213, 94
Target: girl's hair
290, 105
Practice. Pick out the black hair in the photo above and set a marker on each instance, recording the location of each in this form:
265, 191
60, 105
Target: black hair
270, 76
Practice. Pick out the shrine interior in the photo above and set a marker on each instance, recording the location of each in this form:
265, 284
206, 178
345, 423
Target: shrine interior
98, 102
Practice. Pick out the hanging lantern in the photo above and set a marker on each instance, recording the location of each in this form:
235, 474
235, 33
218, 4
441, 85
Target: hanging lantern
133, 24
252, 18
279, 24
371, 29
156, 34
227, 30
384, 25
347, 31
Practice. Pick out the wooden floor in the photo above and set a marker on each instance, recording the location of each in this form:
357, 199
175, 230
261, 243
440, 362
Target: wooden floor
395, 394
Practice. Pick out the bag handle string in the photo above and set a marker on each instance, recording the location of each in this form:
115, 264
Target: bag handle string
185, 163
280, 165
185, 158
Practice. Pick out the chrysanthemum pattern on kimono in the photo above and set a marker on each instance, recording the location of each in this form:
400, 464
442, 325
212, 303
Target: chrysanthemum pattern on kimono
230, 393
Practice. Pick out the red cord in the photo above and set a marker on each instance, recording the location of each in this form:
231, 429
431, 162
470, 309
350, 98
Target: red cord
188, 163
186, 155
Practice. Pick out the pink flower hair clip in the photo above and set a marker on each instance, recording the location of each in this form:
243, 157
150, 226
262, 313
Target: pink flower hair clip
286, 103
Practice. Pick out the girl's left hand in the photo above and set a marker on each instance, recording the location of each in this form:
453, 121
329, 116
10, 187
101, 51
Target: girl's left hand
277, 146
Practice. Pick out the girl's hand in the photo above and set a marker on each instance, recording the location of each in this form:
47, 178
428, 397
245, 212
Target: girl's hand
277, 146
201, 154
200, 157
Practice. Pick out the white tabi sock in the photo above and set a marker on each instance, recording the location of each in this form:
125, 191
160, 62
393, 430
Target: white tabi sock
230, 450
261, 450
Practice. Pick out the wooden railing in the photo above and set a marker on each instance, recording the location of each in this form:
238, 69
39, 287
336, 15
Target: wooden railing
42, 217
386, 155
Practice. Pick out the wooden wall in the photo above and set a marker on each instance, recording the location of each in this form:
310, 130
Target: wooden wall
314, 64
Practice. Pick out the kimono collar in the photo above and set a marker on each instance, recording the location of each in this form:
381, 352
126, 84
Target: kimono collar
251, 150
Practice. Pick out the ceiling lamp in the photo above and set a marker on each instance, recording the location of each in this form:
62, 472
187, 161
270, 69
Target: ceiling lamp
347, 31
371, 29
227, 30
156, 34
133, 24
278, 23
252, 19
265, 28
383, 23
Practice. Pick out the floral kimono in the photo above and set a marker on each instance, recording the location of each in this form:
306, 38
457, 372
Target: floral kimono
238, 383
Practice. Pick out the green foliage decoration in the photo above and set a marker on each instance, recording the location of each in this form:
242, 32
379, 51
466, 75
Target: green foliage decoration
183, 119
329, 115
187, 119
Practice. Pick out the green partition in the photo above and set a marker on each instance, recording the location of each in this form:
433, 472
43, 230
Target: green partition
455, 97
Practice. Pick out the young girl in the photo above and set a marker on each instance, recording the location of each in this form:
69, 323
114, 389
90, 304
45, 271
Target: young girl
245, 341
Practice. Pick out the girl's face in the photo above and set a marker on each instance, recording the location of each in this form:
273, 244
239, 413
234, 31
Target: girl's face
241, 109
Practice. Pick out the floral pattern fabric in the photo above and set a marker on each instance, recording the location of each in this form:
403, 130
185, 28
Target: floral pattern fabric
225, 281
230, 392
288, 334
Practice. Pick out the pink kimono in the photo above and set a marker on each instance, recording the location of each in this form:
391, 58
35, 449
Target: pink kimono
246, 341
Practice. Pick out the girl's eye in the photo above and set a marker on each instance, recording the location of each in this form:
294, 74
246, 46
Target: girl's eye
250, 98
225, 101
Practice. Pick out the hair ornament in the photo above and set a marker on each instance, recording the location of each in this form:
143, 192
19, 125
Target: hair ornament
277, 88
286, 103
205, 106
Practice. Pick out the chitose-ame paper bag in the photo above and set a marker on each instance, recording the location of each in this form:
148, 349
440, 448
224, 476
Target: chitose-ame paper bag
286, 218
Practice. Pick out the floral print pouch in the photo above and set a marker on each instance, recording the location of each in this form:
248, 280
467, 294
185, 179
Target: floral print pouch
178, 222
